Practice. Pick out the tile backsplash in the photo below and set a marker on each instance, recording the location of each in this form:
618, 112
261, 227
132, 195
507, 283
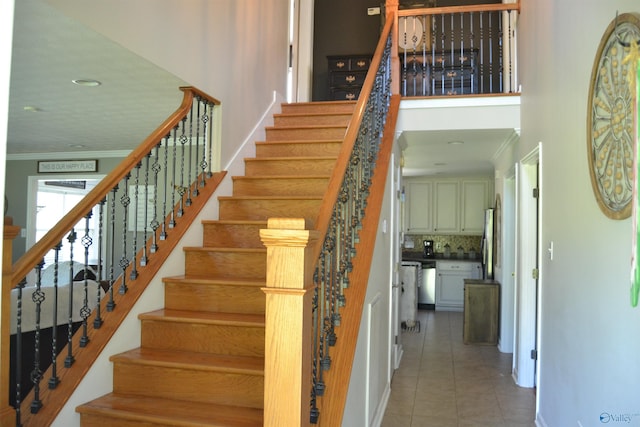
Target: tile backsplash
439, 241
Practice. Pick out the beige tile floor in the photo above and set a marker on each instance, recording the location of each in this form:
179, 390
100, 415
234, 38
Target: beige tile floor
444, 383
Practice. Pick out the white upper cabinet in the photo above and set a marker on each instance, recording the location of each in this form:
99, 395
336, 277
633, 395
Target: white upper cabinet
446, 206
418, 207
474, 200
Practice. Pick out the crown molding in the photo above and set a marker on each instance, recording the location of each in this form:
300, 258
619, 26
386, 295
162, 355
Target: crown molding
70, 155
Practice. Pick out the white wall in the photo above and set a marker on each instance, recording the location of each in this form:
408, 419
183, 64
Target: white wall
6, 37
234, 50
590, 334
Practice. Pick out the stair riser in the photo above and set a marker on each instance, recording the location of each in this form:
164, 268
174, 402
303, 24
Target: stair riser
298, 149
312, 119
287, 167
305, 134
218, 235
236, 209
189, 384
223, 264
203, 338
310, 108
214, 298
315, 187
113, 420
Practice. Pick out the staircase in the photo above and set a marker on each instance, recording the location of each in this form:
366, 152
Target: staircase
201, 360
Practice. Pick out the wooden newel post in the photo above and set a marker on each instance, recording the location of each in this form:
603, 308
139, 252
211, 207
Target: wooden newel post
391, 10
7, 412
289, 291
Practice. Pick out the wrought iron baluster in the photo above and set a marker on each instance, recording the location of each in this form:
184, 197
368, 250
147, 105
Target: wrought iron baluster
38, 298
463, 61
111, 304
190, 160
85, 312
200, 121
18, 394
97, 321
181, 189
500, 54
172, 220
482, 42
203, 161
490, 52
70, 359
314, 413
163, 231
125, 200
474, 64
134, 233
143, 258
54, 380
209, 136
154, 222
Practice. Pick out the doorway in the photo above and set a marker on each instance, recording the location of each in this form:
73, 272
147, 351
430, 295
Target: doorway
526, 328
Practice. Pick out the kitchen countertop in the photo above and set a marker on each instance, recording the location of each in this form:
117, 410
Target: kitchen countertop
418, 256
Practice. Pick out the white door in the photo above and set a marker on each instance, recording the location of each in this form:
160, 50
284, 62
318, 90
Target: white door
525, 355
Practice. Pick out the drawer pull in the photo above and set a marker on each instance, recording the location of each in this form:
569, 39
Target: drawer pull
340, 64
350, 79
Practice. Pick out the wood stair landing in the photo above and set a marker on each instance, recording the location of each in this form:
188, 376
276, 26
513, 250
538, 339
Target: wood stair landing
201, 360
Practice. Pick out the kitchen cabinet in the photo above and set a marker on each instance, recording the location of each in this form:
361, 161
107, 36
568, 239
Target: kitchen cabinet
450, 277
474, 200
446, 206
418, 207
481, 312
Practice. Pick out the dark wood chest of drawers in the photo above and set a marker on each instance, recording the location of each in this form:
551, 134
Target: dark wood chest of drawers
440, 73
346, 75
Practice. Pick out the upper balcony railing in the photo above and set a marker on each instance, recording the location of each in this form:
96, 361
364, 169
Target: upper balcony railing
457, 50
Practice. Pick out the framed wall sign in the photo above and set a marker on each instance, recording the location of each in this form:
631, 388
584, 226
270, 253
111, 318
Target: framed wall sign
66, 166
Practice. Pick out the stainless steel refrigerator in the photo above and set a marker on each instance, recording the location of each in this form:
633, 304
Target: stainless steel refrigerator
488, 245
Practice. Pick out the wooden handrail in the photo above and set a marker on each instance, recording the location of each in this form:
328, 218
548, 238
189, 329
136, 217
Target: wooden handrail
493, 7
330, 198
337, 378
22, 267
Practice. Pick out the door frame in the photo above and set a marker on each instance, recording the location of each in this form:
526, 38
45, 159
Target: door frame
527, 287
300, 47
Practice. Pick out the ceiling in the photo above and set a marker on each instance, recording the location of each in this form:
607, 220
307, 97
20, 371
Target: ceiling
50, 117
49, 51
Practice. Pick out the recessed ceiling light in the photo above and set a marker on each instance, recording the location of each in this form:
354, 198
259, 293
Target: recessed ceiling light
86, 82
440, 164
456, 142
32, 109
77, 146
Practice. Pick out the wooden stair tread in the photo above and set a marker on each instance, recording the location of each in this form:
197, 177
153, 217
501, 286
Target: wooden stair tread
293, 158
159, 411
234, 222
198, 361
306, 127
269, 198
229, 250
300, 141
201, 317
206, 281
284, 177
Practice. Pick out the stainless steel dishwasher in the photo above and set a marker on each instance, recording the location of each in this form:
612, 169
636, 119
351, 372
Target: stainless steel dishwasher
427, 290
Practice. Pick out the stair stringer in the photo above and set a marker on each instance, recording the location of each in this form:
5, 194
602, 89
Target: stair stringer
99, 379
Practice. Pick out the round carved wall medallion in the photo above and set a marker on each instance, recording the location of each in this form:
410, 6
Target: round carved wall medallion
610, 118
